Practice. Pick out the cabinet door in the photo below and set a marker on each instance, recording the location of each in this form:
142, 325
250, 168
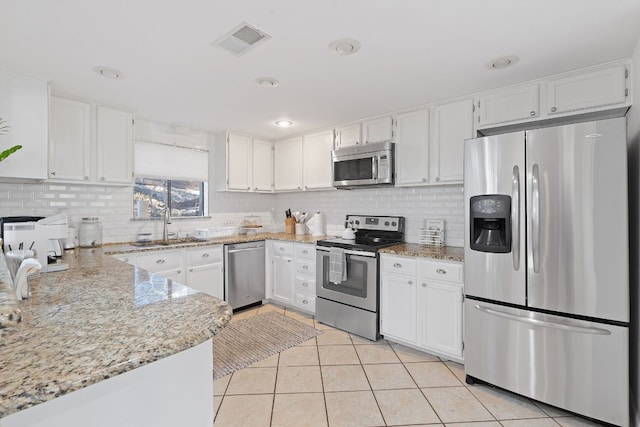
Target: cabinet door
316, 151
239, 158
398, 308
175, 275
508, 105
114, 139
453, 123
70, 140
207, 278
282, 279
348, 135
262, 166
288, 164
441, 318
24, 106
412, 148
589, 90
377, 130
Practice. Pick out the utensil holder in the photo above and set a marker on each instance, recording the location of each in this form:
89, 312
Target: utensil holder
290, 225
301, 228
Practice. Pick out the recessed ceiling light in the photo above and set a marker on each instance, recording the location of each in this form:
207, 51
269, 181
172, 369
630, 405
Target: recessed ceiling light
283, 123
344, 46
502, 62
267, 82
108, 72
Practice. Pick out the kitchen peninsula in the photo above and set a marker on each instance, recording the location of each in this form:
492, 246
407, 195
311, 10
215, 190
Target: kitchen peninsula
105, 343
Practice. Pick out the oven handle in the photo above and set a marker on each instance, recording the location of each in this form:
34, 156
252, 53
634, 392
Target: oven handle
349, 252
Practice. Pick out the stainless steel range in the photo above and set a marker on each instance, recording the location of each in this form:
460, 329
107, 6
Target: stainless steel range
347, 274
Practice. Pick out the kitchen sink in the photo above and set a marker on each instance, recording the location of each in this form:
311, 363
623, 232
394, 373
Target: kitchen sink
169, 242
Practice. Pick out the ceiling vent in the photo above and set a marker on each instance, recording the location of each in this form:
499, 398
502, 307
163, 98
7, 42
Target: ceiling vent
242, 38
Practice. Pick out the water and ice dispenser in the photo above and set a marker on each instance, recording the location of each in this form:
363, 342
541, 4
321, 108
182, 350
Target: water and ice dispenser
490, 223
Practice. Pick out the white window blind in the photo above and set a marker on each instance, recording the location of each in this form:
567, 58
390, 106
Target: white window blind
154, 160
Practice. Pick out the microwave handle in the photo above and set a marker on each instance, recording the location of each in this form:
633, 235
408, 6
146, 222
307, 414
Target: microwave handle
374, 167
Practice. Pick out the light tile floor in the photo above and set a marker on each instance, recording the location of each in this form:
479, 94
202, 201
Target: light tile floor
338, 379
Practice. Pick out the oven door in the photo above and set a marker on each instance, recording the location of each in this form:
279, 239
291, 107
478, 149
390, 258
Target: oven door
361, 287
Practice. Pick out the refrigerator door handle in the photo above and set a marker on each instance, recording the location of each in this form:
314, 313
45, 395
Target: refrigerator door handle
535, 217
515, 217
543, 323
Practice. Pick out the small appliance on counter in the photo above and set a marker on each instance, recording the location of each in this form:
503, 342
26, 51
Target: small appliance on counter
42, 235
90, 234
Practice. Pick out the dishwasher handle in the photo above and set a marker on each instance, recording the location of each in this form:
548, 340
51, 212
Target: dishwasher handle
253, 248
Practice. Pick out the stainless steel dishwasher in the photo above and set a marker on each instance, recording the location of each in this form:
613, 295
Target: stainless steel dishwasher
244, 277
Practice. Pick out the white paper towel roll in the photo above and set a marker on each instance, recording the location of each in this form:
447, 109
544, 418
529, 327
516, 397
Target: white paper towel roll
318, 224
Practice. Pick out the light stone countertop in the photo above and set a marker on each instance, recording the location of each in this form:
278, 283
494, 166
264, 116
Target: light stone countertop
123, 248
99, 319
445, 253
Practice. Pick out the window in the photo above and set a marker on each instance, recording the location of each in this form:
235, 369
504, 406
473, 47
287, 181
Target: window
184, 198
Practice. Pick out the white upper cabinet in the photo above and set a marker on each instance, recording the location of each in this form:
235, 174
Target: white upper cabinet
239, 156
288, 164
90, 149
377, 130
587, 90
114, 141
348, 135
412, 147
452, 124
316, 165
70, 140
509, 105
24, 107
262, 166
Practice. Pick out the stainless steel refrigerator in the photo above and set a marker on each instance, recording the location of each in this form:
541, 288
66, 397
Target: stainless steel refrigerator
546, 266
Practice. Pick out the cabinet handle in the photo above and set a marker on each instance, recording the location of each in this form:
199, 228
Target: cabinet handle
305, 251
288, 260
102, 178
248, 188
178, 271
255, 188
397, 265
424, 285
437, 178
306, 187
126, 259
304, 301
532, 113
554, 109
85, 177
281, 249
53, 173
299, 188
191, 270
205, 255
441, 271
305, 267
305, 284
410, 282
160, 261
424, 179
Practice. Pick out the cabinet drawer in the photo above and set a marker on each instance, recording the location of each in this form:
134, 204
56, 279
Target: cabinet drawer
280, 248
399, 265
305, 266
305, 284
205, 255
305, 302
160, 261
443, 271
305, 251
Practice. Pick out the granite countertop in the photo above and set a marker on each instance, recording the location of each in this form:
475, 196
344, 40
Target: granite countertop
123, 248
98, 319
445, 253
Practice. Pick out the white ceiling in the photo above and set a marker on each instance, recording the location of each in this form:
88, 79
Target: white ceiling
413, 52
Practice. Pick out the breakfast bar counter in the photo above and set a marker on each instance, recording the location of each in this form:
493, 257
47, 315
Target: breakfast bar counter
93, 322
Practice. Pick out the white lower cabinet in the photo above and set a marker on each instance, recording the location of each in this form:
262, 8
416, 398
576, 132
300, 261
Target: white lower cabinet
200, 268
204, 268
291, 273
423, 308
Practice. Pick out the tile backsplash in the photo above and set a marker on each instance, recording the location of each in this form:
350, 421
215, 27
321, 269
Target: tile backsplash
113, 205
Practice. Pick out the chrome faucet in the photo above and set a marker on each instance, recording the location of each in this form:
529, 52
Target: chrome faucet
166, 216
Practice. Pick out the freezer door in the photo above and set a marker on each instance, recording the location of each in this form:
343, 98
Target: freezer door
576, 365
496, 165
577, 219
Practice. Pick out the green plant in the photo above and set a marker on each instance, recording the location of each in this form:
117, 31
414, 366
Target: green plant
4, 129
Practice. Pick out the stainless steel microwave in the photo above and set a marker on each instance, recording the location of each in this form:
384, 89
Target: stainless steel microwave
363, 165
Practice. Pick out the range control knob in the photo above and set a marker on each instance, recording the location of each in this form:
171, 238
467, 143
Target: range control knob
393, 223
386, 223
357, 222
